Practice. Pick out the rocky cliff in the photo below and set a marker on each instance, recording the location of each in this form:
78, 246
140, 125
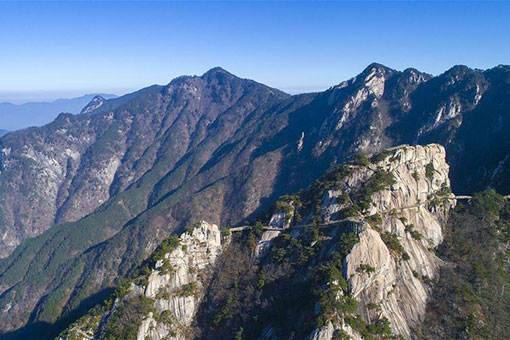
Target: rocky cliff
390, 270
171, 289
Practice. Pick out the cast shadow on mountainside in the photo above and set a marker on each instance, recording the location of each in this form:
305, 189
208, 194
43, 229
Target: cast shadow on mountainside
46, 330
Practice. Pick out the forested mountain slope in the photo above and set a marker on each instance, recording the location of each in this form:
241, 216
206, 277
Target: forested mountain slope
110, 184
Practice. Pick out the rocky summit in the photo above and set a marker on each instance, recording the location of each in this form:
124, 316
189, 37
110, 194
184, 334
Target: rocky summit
353, 190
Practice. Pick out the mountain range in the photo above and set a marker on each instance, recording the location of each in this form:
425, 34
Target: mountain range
20, 116
87, 198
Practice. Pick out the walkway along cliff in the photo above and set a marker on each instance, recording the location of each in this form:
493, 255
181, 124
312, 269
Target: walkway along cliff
358, 244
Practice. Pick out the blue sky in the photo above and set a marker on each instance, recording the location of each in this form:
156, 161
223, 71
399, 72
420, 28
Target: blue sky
62, 49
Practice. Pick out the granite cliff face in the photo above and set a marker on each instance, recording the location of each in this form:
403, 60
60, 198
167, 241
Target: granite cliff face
172, 288
102, 189
394, 282
94, 104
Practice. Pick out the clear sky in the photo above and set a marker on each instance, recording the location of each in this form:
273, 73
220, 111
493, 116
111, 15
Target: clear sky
62, 49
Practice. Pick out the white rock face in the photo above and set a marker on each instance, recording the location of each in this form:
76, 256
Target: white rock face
279, 220
372, 84
197, 253
330, 205
300, 142
265, 242
176, 294
94, 104
400, 288
328, 331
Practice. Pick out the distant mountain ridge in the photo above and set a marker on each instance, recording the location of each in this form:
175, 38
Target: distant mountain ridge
102, 189
20, 116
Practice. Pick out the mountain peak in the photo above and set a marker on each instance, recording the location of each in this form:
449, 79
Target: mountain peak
377, 67
94, 104
216, 71
458, 70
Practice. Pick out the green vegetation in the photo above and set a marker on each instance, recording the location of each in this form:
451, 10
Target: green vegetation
188, 290
471, 299
383, 155
374, 220
416, 176
162, 294
254, 235
340, 334
414, 234
225, 311
122, 288
309, 201
430, 171
392, 242
127, 318
285, 203
167, 267
128, 315
329, 284
343, 199
166, 317
490, 205
60, 267
330, 287
141, 274
297, 274
380, 329
380, 180
441, 196
365, 268
351, 211
239, 334
347, 242
167, 246
374, 306
225, 232
290, 281
291, 250
189, 229
361, 159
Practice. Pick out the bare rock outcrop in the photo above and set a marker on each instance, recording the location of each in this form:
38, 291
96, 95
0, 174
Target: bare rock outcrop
390, 269
173, 290
180, 291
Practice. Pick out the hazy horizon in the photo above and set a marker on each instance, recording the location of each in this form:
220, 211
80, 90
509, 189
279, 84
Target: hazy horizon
19, 98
